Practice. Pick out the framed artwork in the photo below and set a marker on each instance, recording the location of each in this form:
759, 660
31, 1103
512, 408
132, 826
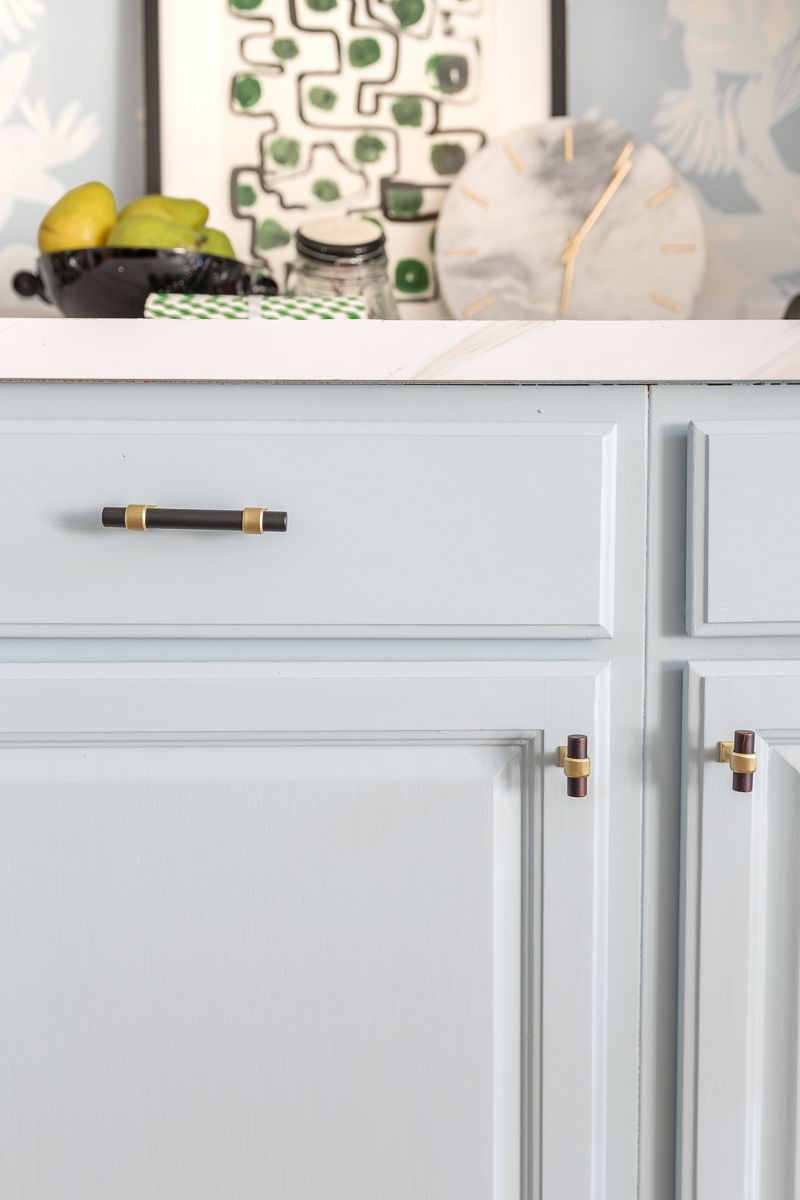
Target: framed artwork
274, 111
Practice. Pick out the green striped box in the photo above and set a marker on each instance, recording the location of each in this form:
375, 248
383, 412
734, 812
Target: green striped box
186, 307
305, 308
189, 307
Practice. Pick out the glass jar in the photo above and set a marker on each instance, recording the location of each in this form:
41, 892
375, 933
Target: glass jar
344, 256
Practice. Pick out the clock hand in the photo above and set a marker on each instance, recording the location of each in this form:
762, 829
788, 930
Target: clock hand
619, 171
623, 156
566, 286
574, 243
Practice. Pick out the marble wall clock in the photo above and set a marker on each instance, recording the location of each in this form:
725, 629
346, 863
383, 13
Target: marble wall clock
570, 219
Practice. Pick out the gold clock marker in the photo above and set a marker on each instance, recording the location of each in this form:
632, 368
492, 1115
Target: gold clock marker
484, 203
569, 144
465, 251
480, 305
665, 302
624, 155
677, 248
660, 197
517, 162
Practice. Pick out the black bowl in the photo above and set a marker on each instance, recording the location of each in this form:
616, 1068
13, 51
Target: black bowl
109, 282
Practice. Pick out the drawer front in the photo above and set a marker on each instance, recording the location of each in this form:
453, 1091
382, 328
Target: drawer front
394, 528
744, 513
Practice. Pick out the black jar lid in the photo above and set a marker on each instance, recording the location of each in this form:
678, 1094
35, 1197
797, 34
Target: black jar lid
333, 239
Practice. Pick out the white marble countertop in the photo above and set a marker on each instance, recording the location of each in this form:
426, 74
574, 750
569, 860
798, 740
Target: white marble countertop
401, 352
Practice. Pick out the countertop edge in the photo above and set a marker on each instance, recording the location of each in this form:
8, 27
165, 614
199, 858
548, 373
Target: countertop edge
421, 352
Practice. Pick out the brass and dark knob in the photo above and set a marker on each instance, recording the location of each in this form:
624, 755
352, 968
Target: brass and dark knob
741, 758
142, 517
575, 763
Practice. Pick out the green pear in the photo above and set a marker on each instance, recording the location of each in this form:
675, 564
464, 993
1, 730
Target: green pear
152, 233
190, 213
80, 219
214, 241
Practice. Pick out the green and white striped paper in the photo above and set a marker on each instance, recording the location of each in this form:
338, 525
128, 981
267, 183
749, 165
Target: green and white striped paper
188, 307
305, 308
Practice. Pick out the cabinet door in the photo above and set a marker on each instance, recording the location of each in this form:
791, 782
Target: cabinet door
486, 512
366, 552
741, 939
743, 493
302, 930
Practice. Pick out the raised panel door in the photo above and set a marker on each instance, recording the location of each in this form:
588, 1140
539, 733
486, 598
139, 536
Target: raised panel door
744, 511
740, 1025
303, 929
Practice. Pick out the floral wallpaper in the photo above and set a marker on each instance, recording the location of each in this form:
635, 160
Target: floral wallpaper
716, 84
70, 110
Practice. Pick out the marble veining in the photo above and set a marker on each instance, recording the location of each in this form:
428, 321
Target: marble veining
517, 235
399, 351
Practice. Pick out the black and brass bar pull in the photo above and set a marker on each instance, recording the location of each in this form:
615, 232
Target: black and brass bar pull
142, 517
575, 763
741, 757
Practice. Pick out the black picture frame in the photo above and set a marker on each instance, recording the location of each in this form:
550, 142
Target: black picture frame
558, 58
558, 80
152, 96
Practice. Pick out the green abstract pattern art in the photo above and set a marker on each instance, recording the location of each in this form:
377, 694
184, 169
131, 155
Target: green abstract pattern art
354, 106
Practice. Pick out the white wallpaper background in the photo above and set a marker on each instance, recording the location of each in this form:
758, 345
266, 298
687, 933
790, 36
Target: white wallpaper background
716, 84
70, 110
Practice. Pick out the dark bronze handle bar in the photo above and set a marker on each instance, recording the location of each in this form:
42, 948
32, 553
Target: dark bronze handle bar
575, 763
141, 517
741, 757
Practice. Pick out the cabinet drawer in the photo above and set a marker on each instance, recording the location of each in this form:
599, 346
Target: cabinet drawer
394, 528
744, 513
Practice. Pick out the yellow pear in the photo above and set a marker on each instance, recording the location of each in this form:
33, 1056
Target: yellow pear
183, 212
152, 233
214, 241
81, 218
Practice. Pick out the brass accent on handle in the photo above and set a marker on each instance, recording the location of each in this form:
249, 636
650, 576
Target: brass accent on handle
574, 768
253, 520
740, 764
741, 758
575, 763
136, 516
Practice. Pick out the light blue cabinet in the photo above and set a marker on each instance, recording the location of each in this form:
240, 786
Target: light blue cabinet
295, 899
723, 611
334, 924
